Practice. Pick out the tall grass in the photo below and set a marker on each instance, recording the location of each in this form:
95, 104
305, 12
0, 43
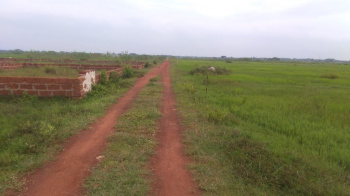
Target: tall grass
268, 128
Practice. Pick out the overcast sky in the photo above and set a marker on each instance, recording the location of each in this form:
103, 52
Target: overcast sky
237, 28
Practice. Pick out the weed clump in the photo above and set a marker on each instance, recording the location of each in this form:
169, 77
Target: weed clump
206, 70
32, 137
50, 70
113, 77
147, 65
257, 165
103, 78
128, 72
330, 76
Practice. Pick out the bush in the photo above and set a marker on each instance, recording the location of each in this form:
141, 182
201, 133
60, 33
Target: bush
155, 62
50, 70
330, 76
147, 65
128, 72
103, 78
228, 61
98, 91
113, 77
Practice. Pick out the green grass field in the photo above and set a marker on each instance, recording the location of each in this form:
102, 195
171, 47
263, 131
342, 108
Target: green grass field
268, 128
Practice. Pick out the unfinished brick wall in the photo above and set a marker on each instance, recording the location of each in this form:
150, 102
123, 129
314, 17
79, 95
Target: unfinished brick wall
43, 87
6, 65
75, 66
48, 87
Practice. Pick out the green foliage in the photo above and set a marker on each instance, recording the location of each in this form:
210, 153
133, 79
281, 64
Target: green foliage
216, 116
32, 137
128, 72
30, 98
50, 70
188, 87
228, 61
113, 77
330, 76
147, 65
103, 78
204, 70
154, 62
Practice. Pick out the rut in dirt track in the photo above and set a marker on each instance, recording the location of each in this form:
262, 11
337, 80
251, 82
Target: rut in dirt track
169, 163
65, 175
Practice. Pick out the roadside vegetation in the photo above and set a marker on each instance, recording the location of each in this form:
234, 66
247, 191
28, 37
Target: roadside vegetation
267, 128
32, 129
123, 170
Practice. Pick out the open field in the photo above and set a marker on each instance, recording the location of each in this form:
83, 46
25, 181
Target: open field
267, 128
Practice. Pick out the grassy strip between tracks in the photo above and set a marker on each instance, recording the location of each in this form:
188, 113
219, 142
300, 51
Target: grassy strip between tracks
32, 129
123, 170
266, 128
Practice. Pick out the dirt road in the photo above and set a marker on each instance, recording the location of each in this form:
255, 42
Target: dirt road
169, 164
65, 175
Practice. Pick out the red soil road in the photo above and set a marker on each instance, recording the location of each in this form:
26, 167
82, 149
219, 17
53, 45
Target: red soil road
169, 163
65, 175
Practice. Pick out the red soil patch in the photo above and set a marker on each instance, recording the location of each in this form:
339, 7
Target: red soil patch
65, 175
169, 163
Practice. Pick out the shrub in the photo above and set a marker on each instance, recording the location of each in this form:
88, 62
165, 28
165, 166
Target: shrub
128, 72
228, 61
147, 65
103, 78
113, 77
155, 62
330, 76
98, 91
50, 70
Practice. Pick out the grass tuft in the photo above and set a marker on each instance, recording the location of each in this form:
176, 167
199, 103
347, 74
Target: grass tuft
330, 76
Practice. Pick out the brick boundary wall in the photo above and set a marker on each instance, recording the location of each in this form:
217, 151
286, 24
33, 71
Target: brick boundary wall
10, 65
7, 65
42, 87
49, 87
65, 61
